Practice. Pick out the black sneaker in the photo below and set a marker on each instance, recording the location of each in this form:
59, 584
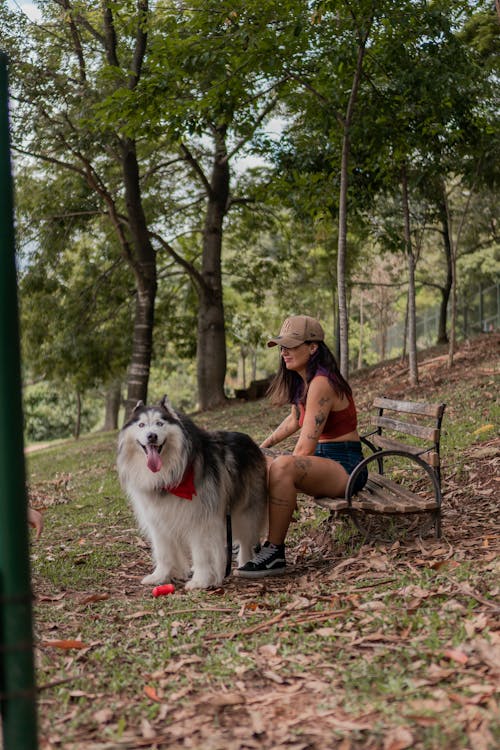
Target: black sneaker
270, 561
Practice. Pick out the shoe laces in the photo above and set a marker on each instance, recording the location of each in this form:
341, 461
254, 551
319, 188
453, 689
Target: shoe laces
264, 554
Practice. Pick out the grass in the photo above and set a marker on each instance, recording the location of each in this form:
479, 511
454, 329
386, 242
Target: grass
363, 646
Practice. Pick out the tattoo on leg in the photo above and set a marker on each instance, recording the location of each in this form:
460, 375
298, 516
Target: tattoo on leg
279, 502
302, 465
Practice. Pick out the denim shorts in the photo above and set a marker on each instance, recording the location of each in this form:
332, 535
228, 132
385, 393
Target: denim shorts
348, 454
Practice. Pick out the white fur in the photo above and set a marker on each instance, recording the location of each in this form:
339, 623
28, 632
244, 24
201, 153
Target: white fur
186, 534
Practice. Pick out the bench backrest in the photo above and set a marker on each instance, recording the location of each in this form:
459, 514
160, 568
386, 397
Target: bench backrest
420, 421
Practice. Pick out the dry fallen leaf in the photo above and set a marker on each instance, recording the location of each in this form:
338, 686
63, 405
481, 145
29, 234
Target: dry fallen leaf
63, 644
476, 624
482, 738
489, 653
94, 598
137, 615
150, 691
103, 716
454, 654
147, 730
269, 649
398, 739
225, 699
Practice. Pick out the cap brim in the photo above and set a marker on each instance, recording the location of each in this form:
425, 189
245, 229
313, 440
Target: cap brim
290, 342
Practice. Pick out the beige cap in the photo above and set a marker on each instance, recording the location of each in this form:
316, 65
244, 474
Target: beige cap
296, 330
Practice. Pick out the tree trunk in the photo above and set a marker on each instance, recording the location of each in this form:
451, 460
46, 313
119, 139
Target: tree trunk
453, 324
78, 420
343, 320
442, 335
382, 326
453, 268
412, 322
142, 344
405, 331
243, 355
342, 241
361, 331
112, 406
211, 343
454, 244
136, 244
144, 266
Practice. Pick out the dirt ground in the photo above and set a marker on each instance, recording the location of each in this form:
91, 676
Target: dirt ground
267, 709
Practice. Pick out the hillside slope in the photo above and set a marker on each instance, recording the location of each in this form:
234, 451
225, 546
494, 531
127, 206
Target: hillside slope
361, 646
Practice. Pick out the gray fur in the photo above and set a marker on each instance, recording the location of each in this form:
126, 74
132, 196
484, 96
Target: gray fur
229, 474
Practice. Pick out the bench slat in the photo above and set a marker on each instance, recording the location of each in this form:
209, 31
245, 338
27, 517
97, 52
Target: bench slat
426, 433
378, 502
378, 497
431, 457
332, 503
382, 495
388, 488
411, 407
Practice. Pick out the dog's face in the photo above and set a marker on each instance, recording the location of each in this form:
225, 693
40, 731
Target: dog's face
149, 427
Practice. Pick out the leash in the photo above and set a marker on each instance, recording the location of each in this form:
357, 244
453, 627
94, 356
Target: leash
229, 543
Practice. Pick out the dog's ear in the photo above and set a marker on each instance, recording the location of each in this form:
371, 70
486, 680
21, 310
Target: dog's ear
168, 408
139, 405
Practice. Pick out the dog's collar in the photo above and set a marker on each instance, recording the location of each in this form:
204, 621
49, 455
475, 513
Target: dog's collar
185, 488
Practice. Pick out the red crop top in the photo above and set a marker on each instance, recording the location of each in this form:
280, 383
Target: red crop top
338, 423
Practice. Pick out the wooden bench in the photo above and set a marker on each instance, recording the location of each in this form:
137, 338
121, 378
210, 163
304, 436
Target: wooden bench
404, 478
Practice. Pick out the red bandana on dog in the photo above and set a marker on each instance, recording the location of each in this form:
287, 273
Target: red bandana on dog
185, 488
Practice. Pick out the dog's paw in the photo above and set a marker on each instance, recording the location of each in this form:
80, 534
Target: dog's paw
201, 583
155, 578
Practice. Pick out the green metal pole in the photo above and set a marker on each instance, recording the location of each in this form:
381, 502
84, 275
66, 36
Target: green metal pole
17, 681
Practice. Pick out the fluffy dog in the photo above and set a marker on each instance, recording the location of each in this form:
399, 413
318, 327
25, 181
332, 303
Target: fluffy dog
182, 482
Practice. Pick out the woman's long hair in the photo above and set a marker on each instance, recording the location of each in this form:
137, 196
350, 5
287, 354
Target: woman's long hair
287, 386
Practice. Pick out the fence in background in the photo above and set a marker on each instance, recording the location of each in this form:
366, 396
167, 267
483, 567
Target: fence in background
479, 313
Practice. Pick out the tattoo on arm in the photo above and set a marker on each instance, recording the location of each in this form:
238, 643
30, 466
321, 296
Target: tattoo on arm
270, 452
319, 419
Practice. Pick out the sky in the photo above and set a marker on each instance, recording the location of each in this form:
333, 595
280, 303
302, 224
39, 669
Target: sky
28, 8
274, 127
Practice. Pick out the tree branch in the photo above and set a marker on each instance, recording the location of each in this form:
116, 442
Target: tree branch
239, 202
110, 36
259, 119
196, 167
75, 35
189, 267
140, 44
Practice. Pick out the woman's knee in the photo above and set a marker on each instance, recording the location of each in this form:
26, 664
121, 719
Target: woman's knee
281, 468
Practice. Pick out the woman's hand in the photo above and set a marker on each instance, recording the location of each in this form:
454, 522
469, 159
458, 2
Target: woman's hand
288, 426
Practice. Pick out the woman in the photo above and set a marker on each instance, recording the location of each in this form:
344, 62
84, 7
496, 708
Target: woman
328, 447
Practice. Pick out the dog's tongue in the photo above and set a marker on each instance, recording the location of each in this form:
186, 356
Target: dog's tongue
154, 460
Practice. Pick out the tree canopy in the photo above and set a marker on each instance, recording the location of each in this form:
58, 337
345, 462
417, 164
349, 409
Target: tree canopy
157, 210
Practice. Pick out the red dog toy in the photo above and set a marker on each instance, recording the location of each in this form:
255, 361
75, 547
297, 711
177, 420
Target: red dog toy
167, 588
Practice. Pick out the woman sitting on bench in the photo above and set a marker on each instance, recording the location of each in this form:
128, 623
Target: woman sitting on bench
328, 448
